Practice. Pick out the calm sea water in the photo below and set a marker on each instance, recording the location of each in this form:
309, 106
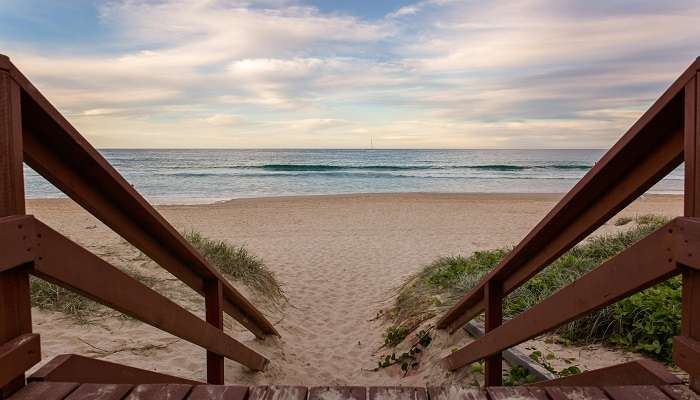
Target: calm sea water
194, 176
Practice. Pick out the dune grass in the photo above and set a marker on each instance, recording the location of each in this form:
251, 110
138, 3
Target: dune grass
644, 322
236, 262
49, 296
239, 264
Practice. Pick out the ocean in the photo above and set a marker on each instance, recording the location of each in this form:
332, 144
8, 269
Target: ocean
204, 176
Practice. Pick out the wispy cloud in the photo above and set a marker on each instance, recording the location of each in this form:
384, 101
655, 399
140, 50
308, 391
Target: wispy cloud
435, 73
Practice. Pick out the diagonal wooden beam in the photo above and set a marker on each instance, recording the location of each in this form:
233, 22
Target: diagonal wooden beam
651, 149
59, 260
645, 263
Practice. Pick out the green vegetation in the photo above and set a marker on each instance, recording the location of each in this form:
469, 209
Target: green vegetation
644, 322
518, 376
409, 359
395, 335
48, 296
238, 263
623, 221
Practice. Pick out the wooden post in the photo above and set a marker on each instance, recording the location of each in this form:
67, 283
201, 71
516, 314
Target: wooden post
213, 302
15, 308
691, 278
493, 294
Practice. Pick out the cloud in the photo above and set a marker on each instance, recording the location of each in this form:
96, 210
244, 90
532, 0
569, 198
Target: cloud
435, 73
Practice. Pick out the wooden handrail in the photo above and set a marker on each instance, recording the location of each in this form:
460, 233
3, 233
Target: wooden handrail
645, 263
58, 259
665, 136
650, 150
34, 132
60, 154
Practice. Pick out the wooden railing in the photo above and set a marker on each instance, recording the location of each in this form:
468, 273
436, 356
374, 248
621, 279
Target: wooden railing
32, 131
664, 137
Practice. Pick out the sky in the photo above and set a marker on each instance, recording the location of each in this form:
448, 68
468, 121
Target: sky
342, 74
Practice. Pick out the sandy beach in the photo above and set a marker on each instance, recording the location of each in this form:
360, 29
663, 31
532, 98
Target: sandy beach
339, 259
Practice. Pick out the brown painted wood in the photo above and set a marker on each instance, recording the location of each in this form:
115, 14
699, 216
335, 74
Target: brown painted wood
213, 303
68, 264
686, 242
515, 392
57, 151
679, 392
45, 391
639, 372
159, 391
493, 374
338, 393
690, 325
15, 308
641, 265
575, 393
686, 354
17, 240
17, 356
649, 150
456, 393
393, 393
100, 391
640, 392
278, 393
76, 368
215, 392
691, 182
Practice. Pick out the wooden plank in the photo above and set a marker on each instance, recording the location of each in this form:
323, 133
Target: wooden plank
17, 240
17, 356
679, 392
690, 324
100, 391
159, 391
686, 242
338, 393
278, 393
692, 178
45, 391
639, 392
643, 264
575, 393
515, 392
686, 354
76, 368
68, 264
15, 308
649, 150
217, 392
393, 393
493, 374
213, 303
639, 372
58, 152
456, 393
